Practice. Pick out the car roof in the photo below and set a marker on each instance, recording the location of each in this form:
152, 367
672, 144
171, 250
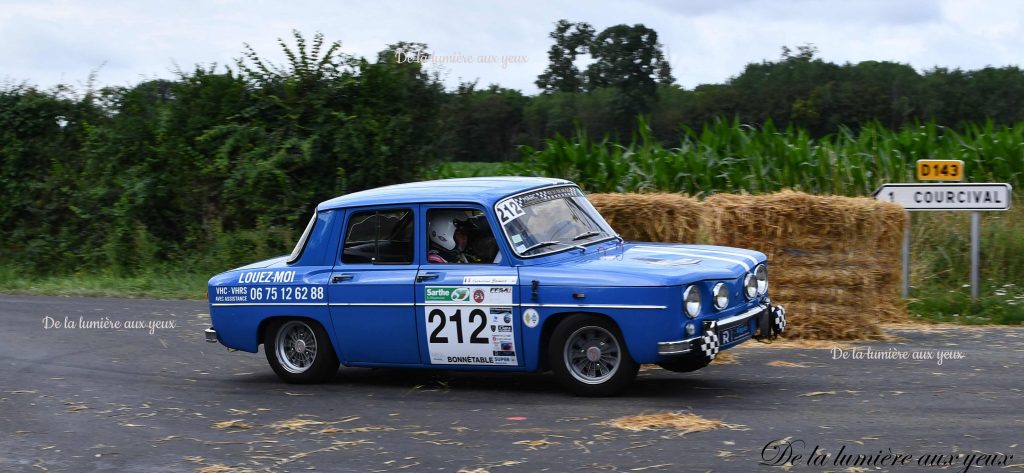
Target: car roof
483, 190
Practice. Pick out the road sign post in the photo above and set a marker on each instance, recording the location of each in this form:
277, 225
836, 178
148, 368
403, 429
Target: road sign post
973, 197
975, 244
906, 258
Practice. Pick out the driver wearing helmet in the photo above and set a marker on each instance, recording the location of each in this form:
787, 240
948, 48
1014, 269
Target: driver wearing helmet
449, 237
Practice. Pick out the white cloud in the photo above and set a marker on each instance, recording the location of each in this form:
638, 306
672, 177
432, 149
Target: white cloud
48, 41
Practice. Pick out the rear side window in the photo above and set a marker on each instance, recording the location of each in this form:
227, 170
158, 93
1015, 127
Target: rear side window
379, 237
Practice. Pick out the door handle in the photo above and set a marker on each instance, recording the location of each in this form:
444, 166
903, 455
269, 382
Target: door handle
341, 277
426, 277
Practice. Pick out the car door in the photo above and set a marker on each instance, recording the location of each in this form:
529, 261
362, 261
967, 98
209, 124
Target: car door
468, 311
371, 287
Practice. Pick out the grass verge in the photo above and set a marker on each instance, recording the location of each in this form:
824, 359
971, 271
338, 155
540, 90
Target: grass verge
156, 284
940, 267
1002, 305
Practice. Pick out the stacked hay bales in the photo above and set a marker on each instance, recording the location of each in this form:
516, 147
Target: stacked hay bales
833, 261
652, 217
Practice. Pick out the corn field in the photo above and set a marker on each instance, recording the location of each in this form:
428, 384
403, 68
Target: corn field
732, 157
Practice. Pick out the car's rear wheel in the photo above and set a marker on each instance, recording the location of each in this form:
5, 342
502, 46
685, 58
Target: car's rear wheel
588, 356
299, 351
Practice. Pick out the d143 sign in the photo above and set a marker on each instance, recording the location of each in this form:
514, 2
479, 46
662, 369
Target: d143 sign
940, 170
914, 196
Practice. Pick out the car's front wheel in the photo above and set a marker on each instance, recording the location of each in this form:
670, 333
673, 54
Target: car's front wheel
588, 356
299, 351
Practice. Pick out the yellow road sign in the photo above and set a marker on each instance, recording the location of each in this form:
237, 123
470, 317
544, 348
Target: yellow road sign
940, 170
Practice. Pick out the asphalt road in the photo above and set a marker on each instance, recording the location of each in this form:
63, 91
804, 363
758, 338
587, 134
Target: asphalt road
102, 399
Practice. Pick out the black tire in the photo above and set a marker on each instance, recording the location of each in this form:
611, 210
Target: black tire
315, 360
610, 373
685, 364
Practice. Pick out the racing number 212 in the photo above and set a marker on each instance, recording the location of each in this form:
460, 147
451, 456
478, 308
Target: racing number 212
456, 318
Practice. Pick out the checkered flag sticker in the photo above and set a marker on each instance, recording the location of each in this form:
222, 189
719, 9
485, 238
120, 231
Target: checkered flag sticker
779, 320
709, 344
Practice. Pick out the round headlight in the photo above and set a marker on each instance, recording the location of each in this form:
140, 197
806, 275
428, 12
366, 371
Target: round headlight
761, 275
750, 286
691, 301
721, 294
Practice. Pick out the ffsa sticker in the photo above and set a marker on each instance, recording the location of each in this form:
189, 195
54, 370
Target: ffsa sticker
464, 327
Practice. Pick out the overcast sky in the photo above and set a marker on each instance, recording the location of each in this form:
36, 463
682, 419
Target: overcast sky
46, 42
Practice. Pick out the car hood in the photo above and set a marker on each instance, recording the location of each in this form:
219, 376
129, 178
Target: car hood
647, 264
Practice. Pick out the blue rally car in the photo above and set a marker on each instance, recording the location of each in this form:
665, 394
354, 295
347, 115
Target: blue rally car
497, 274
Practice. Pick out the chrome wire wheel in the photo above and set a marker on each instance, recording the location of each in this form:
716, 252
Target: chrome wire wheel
296, 346
592, 355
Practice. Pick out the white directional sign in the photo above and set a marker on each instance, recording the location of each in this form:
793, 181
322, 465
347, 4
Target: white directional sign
913, 196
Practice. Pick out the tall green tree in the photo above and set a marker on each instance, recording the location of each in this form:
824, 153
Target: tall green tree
628, 60
571, 40
782, 91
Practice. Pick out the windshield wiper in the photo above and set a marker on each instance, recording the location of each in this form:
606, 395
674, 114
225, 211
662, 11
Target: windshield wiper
586, 235
552, 242
541, 245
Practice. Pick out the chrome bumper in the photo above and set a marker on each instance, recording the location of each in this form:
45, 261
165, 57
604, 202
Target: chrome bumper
211, 335
682, 347
678, 347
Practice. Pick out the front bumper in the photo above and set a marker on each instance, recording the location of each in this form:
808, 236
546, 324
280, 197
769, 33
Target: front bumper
771, 321
211, 335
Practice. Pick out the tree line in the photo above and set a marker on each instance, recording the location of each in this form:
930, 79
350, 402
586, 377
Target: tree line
219, 164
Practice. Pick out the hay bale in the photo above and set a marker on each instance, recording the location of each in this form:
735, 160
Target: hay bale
670, 218
815, 321
833, 261
772, 223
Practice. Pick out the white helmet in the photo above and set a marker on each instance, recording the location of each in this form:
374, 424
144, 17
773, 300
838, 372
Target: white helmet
441, 228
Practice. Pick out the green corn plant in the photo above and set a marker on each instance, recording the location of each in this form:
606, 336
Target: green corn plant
728, 156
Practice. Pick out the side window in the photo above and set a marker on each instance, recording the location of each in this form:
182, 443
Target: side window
460, 236
379, 237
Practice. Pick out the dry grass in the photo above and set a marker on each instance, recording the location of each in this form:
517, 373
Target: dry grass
726, 358
787, 364
234, 424
833, 261
799, 344
295, 425
537, 444
683, 423
221, 468
355, 430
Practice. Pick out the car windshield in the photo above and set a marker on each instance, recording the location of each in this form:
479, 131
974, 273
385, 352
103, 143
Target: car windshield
550, 220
